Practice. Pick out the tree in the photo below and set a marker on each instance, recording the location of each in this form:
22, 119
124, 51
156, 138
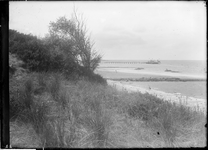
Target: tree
61, 55
74, 31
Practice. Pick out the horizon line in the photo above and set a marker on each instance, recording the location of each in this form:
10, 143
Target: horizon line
154, 59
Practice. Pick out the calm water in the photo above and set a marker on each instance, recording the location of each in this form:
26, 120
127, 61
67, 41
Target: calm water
189, 67
185, 67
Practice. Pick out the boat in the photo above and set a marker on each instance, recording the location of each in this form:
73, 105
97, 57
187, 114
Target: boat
139, 68
167, 70
153, 62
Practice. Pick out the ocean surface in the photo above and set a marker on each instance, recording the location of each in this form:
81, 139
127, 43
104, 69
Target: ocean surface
183, 68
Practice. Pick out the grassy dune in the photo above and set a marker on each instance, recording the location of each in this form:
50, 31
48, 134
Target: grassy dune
47, 110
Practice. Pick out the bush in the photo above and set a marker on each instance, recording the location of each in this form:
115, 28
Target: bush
52, 54
16, 93
91, 76
55, 86
24, 106
28, 94
30, 50
37, 116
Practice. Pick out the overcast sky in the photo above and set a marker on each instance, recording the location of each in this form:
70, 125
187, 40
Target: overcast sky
126, 30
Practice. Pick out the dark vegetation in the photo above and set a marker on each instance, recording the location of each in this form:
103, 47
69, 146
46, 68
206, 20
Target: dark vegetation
56, 100
29, 53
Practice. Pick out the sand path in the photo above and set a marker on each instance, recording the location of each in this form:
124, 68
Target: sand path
172, 97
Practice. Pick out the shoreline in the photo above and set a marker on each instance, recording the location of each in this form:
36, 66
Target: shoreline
159, 79
133, 72
171, 97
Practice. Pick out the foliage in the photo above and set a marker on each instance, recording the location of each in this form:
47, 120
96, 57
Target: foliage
60, 57
67, 49
29, 49
39, 55
15, 66
74, 32
91, 76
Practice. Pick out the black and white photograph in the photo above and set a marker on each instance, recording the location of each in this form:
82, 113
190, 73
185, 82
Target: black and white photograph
107, 74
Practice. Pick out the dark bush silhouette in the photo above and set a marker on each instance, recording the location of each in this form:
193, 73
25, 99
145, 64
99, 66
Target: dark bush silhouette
50, 54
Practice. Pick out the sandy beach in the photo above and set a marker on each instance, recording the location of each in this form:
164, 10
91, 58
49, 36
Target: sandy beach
172, 97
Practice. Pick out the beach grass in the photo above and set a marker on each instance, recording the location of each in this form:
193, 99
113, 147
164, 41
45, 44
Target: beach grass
55, 112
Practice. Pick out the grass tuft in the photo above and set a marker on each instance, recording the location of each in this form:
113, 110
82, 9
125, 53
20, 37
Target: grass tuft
86, 114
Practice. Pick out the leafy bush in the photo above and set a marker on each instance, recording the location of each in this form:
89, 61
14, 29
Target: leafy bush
30, 50
91, 76
73, 33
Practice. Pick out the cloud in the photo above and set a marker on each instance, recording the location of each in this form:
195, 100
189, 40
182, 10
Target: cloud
112, 29
140, 30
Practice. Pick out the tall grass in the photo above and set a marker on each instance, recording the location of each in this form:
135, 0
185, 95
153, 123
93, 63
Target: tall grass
97, 122
86, 114
28, 97
169, 120
42, 82
55, 86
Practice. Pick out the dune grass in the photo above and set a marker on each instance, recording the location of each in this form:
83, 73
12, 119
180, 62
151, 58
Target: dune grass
49, 111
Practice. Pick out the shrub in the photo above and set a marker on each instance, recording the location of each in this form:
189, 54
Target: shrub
37, 116
16, 93
28, 97
91, 76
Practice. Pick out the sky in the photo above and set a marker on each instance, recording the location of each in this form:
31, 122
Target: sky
125, 30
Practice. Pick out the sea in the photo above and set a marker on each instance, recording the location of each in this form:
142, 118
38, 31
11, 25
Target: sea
189, 68
181, 68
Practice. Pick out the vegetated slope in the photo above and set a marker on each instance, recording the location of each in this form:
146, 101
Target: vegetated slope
29, 53
49, 111
55, 102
